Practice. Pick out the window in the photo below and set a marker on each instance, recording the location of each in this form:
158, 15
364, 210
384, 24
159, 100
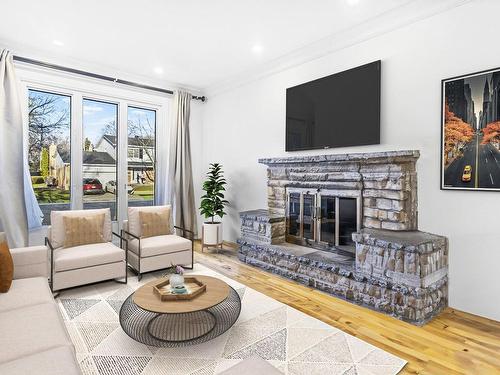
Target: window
91, 145
99, 162
49, 151
141, 163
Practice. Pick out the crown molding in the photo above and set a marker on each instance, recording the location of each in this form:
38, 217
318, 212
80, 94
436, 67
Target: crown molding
394, 19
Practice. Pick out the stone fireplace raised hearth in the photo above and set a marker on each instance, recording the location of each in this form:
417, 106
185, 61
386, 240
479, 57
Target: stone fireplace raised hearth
347, 225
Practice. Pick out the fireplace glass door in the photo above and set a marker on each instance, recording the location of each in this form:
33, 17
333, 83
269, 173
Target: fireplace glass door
327, 220
294, 214
322, 219
347, 221
309, 207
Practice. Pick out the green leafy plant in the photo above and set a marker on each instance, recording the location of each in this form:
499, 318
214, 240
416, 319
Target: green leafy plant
213, 202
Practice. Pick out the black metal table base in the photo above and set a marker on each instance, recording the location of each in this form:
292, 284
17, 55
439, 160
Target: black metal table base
182, 329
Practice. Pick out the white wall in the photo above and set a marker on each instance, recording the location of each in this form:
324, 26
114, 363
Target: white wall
248, 122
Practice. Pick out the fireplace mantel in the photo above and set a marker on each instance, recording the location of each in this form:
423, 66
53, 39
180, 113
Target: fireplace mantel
395, 269
385, 157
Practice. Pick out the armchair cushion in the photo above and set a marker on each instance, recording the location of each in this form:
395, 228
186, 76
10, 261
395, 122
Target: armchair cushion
155, 223
57, 233
134, 220
158, 245
96, 254
83, 230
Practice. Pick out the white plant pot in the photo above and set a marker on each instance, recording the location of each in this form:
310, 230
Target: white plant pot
176, 279
212, 234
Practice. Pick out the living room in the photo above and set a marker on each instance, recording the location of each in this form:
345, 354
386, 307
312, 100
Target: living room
240, 187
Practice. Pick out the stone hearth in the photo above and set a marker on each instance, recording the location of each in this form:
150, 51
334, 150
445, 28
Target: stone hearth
392, 268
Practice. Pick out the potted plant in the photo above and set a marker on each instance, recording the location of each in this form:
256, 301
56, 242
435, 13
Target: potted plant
212, 205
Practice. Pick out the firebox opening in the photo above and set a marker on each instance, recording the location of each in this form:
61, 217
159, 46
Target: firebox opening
323, 219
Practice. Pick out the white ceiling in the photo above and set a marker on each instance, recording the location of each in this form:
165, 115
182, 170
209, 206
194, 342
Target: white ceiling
196, 43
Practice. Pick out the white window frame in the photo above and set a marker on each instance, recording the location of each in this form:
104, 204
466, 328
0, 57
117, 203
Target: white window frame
79, 88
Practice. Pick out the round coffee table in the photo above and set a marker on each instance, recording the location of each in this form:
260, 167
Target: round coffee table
145, 318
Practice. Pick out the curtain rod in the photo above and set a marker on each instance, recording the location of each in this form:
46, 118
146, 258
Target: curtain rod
97, 76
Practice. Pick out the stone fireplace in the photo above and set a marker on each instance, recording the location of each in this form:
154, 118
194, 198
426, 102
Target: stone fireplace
347, 225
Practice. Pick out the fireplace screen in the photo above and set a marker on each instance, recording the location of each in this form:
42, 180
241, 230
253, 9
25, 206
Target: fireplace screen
324, 219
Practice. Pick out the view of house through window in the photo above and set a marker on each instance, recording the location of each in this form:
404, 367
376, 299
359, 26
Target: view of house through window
141, 156
49, 117
49, 154
99, 162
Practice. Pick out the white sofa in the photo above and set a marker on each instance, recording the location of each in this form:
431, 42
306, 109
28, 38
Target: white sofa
33, 337
159, 252
85, 264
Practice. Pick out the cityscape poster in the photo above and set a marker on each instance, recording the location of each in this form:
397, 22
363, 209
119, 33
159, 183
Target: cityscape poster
470, 149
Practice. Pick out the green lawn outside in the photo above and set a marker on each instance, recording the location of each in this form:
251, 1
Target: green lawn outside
143, 190
51, 195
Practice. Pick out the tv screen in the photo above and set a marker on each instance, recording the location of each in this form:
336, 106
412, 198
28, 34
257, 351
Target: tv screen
335, 111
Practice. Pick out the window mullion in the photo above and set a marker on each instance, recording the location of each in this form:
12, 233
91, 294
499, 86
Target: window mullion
122, 154
76, 151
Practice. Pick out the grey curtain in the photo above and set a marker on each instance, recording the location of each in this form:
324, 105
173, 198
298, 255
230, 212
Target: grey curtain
13, 218
180, 181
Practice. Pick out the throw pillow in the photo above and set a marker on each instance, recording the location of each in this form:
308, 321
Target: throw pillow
154, 223
83, 230
6, 268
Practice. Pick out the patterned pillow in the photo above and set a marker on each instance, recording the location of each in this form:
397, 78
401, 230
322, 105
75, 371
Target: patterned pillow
83, 230
154, 223
6, 267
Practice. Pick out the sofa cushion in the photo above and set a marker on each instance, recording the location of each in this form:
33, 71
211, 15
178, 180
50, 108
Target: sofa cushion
57, 231
95, 254
152, 246
83, 230
56, 361
6, 267
134, 221
26, 292
30, 330
25, 256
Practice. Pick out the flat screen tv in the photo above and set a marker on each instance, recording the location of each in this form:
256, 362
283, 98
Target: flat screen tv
335, 111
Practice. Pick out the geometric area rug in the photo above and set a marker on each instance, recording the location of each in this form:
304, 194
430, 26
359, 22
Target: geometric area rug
288, 339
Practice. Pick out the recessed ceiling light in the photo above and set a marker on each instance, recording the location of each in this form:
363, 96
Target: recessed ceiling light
257, 48
57, 43
158, 70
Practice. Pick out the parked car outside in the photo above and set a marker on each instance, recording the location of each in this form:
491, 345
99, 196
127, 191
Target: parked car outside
110, 187
92, 186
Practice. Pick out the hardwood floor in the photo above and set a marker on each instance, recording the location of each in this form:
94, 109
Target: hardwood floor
455, 342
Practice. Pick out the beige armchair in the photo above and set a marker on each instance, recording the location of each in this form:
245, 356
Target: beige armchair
154, 253
87, 263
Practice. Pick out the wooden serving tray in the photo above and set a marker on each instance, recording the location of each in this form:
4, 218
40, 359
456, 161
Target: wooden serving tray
192, 284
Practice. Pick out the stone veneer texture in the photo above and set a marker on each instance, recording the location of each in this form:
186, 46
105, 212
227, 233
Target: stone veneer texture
396, 269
